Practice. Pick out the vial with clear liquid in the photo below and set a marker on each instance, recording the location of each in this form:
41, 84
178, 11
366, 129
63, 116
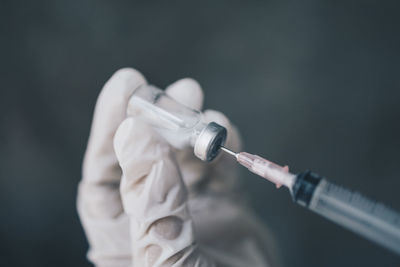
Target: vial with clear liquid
181, 126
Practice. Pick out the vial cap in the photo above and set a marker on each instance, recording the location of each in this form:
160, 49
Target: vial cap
209, 141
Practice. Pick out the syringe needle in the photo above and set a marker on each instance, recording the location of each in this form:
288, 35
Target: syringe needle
279, 175
230, 152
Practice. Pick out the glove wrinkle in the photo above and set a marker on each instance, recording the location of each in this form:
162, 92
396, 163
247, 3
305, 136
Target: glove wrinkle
152, 254
180, 257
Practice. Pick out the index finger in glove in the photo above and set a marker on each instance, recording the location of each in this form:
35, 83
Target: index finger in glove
99, 201
101, 171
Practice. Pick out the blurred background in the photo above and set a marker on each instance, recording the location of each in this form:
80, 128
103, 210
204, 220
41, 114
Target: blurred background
311, 84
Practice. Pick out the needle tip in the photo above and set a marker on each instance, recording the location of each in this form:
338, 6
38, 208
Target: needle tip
228, 151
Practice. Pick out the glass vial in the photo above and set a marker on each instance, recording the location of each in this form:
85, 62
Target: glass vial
179, 125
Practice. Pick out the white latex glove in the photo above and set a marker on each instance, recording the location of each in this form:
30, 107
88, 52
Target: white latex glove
169, 208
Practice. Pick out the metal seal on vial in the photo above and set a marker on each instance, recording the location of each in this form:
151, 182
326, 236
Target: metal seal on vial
209, 141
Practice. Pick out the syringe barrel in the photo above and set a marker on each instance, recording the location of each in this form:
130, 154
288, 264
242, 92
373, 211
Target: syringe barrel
350, 209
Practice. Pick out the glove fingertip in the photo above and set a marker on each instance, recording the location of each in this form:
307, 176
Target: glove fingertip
121, 85
188, 92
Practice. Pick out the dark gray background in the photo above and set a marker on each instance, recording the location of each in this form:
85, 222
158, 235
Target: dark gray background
311, 84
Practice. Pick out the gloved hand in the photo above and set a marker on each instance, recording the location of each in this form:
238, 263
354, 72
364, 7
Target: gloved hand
144, 203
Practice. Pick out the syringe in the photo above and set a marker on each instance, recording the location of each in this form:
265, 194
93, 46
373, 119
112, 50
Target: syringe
350, 209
